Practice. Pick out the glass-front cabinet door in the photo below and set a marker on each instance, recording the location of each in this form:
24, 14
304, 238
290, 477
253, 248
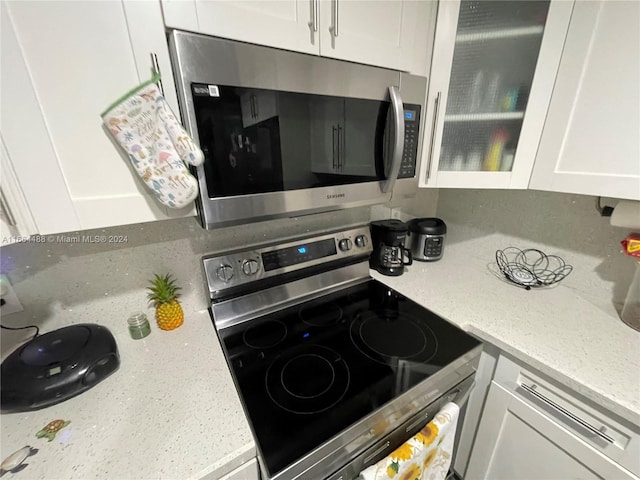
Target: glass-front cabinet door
492, 75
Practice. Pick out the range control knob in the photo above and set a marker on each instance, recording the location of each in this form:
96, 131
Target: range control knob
344, 244
361, 241
225, 272
250, 267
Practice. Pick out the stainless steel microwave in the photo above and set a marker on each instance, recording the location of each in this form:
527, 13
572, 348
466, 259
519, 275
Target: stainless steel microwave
287, 134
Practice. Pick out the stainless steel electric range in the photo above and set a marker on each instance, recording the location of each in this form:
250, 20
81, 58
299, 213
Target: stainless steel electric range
334, 369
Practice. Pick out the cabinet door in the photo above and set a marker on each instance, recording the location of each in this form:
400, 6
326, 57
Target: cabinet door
493, 68
93, 61
26, 140
376, 33
591, 139
517, 442
16, 221
287, 24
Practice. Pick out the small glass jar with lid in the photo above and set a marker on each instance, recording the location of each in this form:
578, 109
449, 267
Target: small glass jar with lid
138, 326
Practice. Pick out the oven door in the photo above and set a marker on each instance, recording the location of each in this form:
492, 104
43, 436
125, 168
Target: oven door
286, 134
458, 395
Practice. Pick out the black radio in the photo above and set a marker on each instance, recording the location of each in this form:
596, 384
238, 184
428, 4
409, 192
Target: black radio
56, 366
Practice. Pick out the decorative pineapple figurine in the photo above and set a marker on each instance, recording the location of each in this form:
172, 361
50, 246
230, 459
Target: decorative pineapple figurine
164, 295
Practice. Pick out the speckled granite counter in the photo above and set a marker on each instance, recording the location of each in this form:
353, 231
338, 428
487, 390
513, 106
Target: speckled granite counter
579, 341
170, 412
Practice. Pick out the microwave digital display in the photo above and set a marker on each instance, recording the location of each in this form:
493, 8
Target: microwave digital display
410, 115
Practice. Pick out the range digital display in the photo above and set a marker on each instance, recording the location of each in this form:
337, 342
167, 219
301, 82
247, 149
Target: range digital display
409, 115
304, 252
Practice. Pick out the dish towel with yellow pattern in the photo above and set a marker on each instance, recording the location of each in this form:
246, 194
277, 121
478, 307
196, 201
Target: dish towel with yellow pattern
425, 456
156, 144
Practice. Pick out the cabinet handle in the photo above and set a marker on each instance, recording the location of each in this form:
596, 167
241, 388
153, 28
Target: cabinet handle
566, 413
156, 69
6, 211
314, 15
340, 149
254, 103
436, 108
335, 18
333, 146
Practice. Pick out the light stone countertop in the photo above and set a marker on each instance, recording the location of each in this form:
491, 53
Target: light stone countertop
578, 340
170, 411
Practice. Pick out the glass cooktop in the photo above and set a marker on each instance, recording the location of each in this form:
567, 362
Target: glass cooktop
307, 372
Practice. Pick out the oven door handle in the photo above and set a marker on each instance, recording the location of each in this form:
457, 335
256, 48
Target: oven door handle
465, 396
398, 144
460, 402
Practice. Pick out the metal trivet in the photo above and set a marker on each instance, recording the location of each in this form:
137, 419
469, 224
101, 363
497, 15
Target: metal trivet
531, 268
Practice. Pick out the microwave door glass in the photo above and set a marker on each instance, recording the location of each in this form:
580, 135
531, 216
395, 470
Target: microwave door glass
258, 141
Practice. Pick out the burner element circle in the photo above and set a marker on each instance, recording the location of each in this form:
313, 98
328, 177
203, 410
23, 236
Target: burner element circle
384, 338
265, 335
321, 315
308, 380
394, 338
307, 376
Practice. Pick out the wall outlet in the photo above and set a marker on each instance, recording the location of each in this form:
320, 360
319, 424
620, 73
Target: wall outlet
8, 298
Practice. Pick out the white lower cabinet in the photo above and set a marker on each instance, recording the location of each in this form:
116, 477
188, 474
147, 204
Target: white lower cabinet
533, 429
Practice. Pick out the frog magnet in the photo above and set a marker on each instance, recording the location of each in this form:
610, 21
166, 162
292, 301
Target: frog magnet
52, 428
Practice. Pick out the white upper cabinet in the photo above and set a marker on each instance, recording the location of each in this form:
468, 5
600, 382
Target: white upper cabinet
492, 74
283, 24
376, 33
387, 33
16, 221
63, 63
591, 139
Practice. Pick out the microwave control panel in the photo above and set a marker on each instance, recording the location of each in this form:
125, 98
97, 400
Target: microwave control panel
410, 151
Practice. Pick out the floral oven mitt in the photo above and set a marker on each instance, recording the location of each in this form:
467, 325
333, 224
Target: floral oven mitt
157, 145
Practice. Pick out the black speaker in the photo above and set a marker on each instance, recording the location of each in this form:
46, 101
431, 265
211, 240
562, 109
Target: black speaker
56, 366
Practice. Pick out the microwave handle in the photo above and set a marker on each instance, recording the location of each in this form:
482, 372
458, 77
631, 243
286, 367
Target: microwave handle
398, 146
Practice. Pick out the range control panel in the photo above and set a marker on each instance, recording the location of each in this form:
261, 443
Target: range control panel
411, 131
240, 267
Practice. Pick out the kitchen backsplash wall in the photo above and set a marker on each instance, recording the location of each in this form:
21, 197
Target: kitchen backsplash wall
557, 223
67, 279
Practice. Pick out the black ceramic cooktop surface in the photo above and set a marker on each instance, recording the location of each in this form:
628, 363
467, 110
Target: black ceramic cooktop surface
307, 372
